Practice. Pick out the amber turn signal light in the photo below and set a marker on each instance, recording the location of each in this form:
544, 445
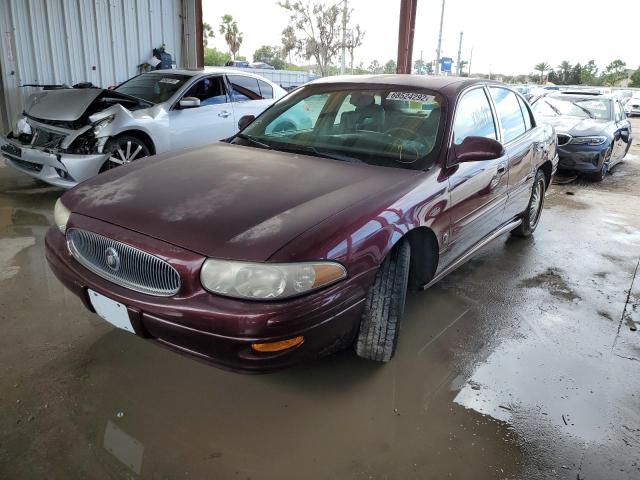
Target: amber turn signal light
278, 346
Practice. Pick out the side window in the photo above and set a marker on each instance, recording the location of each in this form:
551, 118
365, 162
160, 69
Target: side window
509, 112
526, 113
244, 88
473, 117
618, 112
266, 90
210, 91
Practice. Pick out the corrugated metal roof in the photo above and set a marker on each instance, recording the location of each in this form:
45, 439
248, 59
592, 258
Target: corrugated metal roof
72, 41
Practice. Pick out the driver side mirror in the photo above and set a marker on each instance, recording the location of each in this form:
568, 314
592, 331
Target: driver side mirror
189, 102
624, 135
475, 149
245, 120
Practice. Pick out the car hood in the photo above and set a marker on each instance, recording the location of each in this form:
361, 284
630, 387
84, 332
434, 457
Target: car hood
229, 201
577, 126
68, 104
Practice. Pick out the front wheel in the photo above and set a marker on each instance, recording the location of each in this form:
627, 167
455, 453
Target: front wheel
531, 215
384, 307
123, 149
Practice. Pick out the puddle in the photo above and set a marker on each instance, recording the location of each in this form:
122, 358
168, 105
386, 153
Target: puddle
553, 282
9, 248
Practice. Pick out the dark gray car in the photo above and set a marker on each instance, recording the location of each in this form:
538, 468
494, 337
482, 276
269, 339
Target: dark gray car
593, 131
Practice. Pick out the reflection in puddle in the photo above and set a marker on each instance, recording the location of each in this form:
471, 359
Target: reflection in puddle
123, 446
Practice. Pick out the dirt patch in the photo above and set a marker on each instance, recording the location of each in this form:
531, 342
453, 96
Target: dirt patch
604, 315
551, 280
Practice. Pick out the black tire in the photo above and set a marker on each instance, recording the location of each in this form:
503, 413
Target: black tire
384, 307
531, 216
604, 168
118, 148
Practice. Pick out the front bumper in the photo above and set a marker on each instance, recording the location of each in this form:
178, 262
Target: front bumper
581, 158
60, 169
213, 328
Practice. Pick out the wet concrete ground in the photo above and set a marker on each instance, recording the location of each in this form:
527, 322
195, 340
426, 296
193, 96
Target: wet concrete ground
523, 364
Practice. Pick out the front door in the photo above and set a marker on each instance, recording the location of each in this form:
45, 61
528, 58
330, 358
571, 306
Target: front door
211, 121
519, 139
478, 190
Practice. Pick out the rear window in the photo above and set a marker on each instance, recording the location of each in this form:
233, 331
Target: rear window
244, 88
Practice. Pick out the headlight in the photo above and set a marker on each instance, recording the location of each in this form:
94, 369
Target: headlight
101, 124
268, 281
597, 140
61, 216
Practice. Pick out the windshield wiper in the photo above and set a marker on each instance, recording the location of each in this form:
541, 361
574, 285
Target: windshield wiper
315, 152
553, 108
588, 112
254, 141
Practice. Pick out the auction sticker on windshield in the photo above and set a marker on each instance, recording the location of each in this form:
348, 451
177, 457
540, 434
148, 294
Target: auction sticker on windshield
410, 96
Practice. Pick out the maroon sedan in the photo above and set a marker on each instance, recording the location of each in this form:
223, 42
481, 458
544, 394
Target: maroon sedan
285, 244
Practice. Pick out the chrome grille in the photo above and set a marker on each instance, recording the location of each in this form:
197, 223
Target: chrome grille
563, 139
127, 267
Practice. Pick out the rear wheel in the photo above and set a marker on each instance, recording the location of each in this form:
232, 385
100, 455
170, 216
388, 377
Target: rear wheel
384, 307
124, 149
531, 215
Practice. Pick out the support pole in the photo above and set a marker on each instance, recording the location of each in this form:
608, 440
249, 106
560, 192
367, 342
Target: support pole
199, 39
439, 50
406, 30
459, 67
344, 36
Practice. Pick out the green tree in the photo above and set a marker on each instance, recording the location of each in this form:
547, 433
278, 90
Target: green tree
542, 67
354, 40
564, 70
375, 67
589, 74
390, 67
271, 55
615, 71
214, 57
233, 36
575, 76
635, 79
316, 30
207, 33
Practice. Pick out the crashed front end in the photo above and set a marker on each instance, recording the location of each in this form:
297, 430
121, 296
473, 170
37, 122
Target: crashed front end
62, 153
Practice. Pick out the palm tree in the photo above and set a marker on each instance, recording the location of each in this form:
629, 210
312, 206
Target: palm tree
565, 69
233, 37
207, 33
542, 67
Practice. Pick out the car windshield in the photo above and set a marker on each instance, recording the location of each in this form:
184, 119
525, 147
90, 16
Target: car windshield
597, 108
390, 126
154, 87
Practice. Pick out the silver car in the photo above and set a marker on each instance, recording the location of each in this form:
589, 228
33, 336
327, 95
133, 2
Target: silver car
69, 135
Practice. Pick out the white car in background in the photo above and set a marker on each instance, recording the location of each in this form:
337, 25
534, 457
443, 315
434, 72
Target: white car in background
632, 107
69, 135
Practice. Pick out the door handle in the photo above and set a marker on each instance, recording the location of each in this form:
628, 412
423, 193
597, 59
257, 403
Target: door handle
502, 168
224, 114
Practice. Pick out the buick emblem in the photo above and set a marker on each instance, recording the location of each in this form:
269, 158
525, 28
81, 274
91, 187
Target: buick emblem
113, 259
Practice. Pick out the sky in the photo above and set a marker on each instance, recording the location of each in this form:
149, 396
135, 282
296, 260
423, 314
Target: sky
507, 36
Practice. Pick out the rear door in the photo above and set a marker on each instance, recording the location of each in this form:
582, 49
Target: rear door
250, 95
211, 121
519, 140
478, 190
622, 125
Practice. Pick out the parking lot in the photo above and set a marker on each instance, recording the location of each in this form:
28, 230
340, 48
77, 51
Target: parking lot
521, 364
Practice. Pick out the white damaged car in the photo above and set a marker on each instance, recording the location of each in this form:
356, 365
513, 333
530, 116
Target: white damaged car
69, 135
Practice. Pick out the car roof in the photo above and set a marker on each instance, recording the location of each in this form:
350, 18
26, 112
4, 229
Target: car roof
450, 85
193, 72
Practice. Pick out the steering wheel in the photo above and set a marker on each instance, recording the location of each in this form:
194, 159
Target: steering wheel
405, 133
406, 153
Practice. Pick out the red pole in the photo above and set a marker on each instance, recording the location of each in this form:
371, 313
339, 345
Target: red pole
199, 42
406, 29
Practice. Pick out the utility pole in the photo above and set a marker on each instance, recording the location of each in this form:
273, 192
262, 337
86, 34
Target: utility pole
406, 29
459, 69
470, 60
344, 36
439, 40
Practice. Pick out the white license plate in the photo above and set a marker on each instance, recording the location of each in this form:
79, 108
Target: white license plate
113, 312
